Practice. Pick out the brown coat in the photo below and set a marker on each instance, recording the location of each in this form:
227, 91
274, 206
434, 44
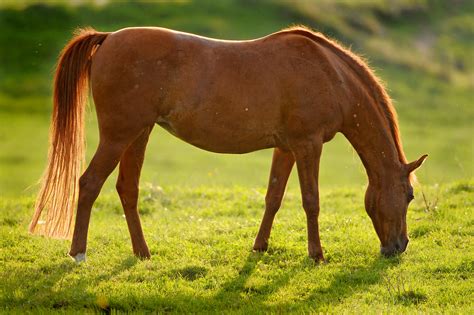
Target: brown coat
292, 91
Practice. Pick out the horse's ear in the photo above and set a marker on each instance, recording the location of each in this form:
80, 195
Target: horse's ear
410, 167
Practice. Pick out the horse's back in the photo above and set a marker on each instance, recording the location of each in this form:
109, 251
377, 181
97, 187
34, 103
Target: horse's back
225, 96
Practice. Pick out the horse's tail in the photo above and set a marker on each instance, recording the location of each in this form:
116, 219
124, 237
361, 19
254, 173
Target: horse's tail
60, 181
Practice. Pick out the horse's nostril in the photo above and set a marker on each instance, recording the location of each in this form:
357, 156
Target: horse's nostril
405, 244
401, 245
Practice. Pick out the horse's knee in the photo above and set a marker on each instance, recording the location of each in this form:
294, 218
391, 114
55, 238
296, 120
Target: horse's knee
273, 203
88, 187
310, 204
120, 186
125, 188
83, 183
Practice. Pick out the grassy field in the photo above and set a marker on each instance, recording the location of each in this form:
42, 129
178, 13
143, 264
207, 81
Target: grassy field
201, 240
201, 210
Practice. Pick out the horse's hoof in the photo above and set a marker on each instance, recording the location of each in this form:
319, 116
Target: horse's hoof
260, 248
318, 259
143, 256
79, 258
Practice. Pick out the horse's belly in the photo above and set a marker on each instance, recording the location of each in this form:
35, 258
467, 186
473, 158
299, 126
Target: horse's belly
218, 137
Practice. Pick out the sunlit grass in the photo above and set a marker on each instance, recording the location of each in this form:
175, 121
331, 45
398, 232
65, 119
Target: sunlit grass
201, 239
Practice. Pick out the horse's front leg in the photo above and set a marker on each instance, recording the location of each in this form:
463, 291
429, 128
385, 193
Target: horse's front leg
307, 155
128, 188
282, 164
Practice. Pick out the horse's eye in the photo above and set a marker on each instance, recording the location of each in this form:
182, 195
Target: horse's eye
410, 195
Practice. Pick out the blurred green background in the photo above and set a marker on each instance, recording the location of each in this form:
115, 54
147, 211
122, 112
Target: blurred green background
423, 50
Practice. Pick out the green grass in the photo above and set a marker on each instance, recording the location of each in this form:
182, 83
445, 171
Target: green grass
201, 239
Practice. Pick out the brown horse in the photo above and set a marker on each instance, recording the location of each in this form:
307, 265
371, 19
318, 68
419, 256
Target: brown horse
292, 90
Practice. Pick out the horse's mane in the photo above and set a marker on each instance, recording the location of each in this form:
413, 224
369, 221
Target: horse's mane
363, 71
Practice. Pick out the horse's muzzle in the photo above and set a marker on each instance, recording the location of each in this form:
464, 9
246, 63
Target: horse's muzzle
397, 247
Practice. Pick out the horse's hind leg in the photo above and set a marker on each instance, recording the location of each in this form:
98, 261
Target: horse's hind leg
102, 164
307, 155
280, 171
128, 187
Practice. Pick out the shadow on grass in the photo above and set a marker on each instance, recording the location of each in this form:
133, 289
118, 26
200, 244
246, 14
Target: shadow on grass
347, 283
190, 273
63, 285
238, 295
25, 282
57, 285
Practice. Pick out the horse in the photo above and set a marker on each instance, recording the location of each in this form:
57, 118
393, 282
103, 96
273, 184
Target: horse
292, 91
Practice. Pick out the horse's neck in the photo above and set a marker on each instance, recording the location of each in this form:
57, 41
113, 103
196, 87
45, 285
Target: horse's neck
369, 133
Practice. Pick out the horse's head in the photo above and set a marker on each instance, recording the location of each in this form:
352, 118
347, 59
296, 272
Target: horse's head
387, 204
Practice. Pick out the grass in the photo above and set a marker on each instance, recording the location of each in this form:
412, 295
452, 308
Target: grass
201, 239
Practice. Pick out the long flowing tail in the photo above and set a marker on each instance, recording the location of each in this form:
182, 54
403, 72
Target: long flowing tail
60, 183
